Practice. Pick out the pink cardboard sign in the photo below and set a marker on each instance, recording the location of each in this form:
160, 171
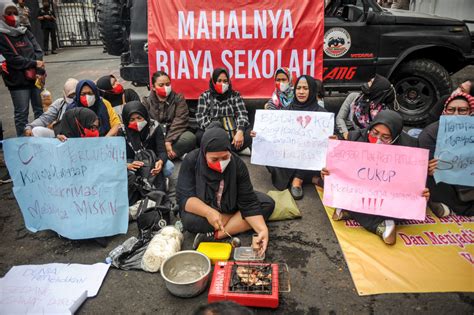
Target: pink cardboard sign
377, 179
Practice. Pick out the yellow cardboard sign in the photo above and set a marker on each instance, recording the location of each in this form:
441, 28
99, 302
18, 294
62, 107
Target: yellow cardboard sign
434, 255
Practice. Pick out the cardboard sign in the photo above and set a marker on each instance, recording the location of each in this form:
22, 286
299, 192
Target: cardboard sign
377, 179
432, 255
77, 188
188, 39
292, 139
455, 150
50, 288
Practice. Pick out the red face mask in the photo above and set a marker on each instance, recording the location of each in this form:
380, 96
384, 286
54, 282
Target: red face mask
11, 20
221, 88
137, 125
163, 91
219, 166
86, 132
117, 89
372, 139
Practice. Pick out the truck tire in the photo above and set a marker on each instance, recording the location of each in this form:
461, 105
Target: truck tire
113, 31
419, 83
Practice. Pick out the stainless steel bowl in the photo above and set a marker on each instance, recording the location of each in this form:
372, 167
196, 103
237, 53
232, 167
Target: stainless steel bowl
180, 263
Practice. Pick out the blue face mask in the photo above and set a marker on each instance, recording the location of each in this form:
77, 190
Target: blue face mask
321, 103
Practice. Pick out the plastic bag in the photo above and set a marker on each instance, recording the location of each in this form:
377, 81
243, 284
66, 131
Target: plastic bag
285, 206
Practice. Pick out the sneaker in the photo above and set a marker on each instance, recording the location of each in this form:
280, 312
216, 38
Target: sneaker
439, 209
386, 230
203, 237
340, 214
6, 179
245, 152
296, 192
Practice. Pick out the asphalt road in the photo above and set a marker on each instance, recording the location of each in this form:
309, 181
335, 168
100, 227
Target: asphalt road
320, 279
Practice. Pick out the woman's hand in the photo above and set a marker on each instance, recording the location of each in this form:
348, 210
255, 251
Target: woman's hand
238, 140
158, 168
28, 133
61, 138
169, 150
135, 165
426, 194
432, 166
324, 172
214, 218
345, 135
39, 64
253, 134
262, 240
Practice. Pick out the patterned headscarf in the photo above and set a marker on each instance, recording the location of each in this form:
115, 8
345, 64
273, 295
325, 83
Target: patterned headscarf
281, 100
469, 99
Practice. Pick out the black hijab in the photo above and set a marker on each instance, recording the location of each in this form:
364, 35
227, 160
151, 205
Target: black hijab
380, 92
394, 122
311, 104
69, 126
135, 138
215, 139
215, 74
105, 88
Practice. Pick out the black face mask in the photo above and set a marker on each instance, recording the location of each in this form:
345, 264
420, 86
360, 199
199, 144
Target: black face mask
365, 88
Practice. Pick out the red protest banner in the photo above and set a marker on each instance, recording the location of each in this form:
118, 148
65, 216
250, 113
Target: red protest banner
188, 39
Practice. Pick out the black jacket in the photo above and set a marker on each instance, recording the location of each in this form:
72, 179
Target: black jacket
29, 51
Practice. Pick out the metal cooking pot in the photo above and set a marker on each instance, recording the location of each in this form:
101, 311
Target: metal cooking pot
179, 262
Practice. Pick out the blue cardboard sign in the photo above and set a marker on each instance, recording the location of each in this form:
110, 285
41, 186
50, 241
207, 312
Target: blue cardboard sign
455, 150
77, 188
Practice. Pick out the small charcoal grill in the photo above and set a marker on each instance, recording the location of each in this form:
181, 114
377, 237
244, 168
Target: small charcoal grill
248, 283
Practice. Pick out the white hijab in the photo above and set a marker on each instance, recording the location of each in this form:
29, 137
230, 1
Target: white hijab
4, 27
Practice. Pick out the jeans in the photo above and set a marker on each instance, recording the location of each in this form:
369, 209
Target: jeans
21, 101
168, 169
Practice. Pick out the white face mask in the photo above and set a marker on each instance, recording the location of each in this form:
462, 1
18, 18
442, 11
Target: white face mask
141, 125
90, 100
225, 87
168, 90
224, 164
284, 86
68, 100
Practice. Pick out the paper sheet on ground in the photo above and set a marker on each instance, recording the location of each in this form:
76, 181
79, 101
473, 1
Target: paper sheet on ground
455, 150
376, 179
77, 188
291, 139
434, 255
49, 289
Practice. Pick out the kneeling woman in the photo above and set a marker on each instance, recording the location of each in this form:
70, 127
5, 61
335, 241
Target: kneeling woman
215, 194
146, 153
386, 128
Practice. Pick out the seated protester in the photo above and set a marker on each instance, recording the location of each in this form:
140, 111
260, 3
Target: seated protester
171, 111
215, 194
42, 126
146, 153
221, 103
110, 89
283, 95
386, 129
437, 110
77, 123
445, 197
87, 95
306, 99
359, 109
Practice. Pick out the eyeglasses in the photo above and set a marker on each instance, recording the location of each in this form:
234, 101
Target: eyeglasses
459, 110
383, 137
